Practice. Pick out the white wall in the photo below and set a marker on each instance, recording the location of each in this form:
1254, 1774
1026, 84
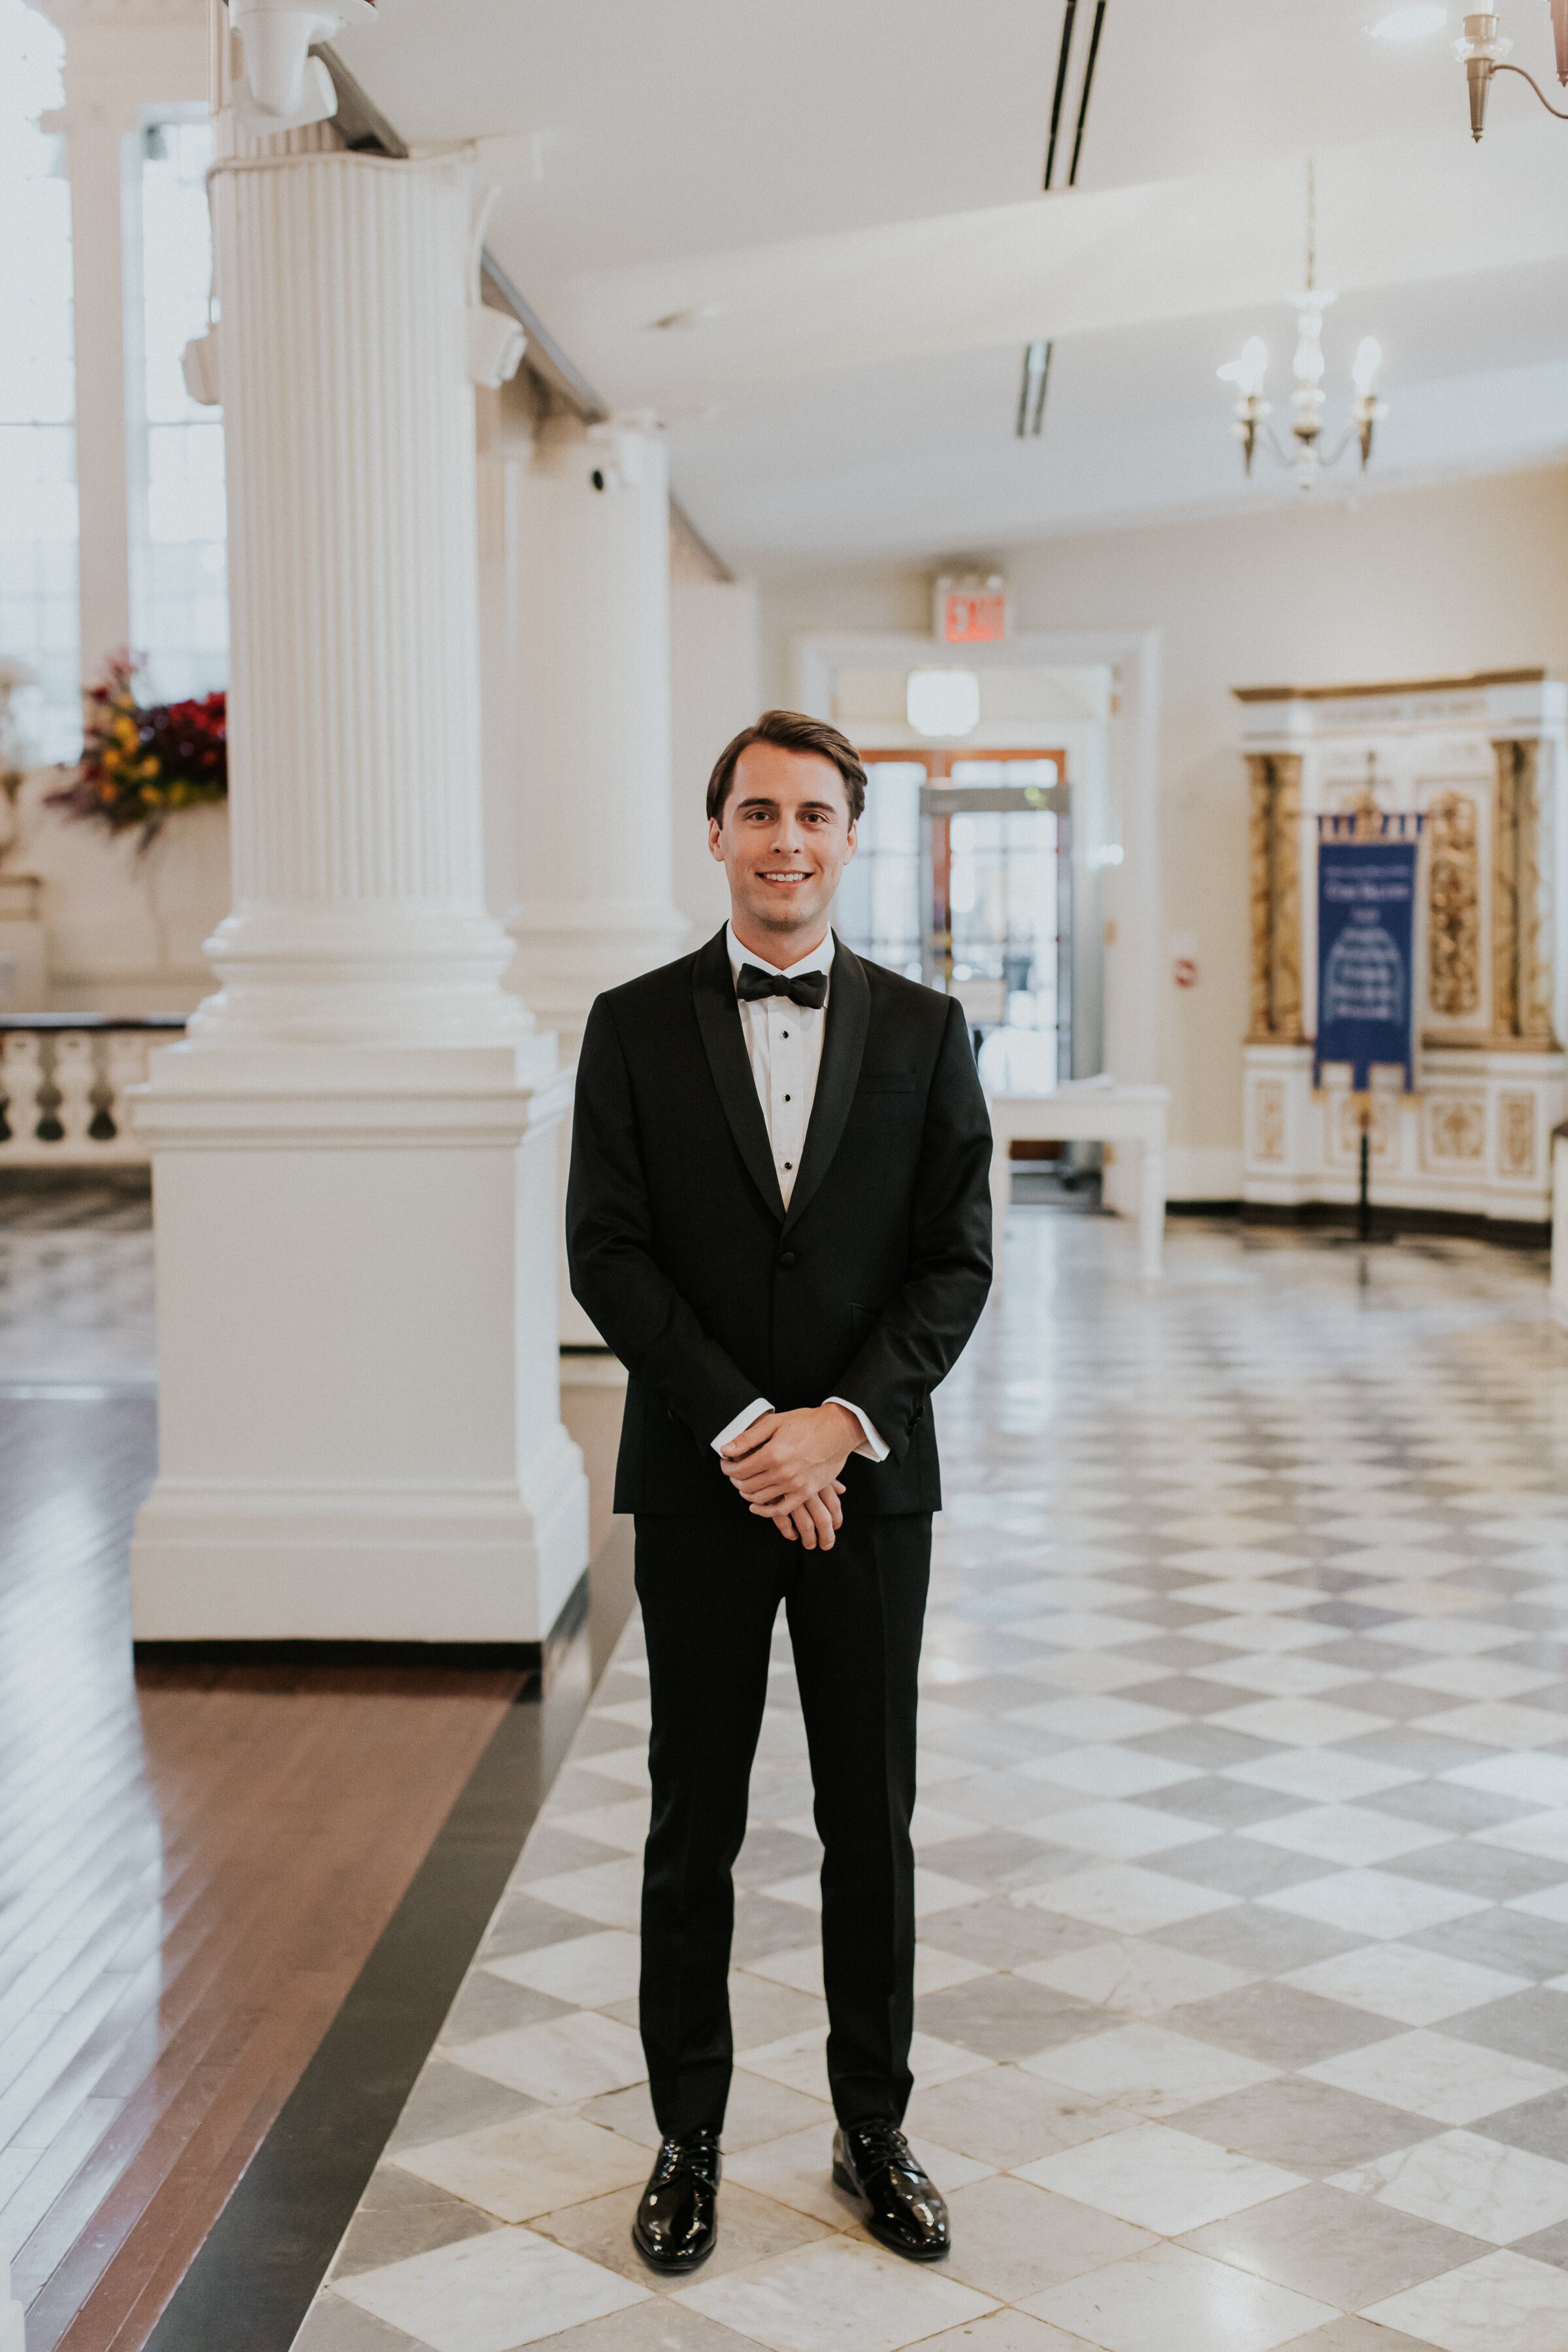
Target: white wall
1463, 576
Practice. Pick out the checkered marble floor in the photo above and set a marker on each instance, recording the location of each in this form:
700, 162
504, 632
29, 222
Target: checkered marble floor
1243, 2016
76, 1289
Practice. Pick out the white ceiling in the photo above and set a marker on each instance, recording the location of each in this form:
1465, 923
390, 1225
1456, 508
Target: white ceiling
850, 194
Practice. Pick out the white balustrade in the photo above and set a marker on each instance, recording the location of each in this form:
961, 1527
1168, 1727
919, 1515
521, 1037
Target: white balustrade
62, 1090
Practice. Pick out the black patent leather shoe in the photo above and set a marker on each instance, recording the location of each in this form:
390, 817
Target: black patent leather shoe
677, 2225
899, 2204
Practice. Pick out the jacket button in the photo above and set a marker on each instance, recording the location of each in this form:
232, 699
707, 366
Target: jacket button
786, 1258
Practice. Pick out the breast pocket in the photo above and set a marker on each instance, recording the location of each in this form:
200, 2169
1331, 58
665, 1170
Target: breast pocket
887, 1082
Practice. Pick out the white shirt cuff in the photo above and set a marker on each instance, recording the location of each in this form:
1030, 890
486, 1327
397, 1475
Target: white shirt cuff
874, 1450
754, 1410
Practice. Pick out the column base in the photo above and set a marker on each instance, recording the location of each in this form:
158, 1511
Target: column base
359, 1383
213, 1561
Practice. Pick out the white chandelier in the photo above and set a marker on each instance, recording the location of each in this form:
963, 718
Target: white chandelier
1308, 458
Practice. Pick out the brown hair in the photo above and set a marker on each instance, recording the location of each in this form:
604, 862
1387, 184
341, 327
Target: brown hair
790, 731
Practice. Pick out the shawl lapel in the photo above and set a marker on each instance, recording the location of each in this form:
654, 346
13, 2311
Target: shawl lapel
723, 1041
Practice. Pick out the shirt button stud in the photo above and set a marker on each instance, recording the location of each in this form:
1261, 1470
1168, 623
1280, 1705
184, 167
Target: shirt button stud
789, 1163
786, 1098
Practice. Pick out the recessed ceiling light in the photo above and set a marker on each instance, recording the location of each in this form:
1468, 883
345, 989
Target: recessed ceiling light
1409, 23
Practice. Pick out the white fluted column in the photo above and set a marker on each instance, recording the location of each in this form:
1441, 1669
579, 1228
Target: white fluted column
594, 905
358, 860
354, 1153
595, 902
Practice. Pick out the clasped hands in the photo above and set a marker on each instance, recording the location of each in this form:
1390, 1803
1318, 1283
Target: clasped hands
787, 1466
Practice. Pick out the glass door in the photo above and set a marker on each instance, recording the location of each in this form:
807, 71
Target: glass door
963, 879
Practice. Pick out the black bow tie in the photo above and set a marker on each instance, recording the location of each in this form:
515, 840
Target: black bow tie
810, 989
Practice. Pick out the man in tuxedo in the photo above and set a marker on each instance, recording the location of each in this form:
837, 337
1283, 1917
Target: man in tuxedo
779, 1219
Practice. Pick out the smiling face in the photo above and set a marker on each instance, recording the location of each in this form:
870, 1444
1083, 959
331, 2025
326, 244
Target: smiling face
784, 838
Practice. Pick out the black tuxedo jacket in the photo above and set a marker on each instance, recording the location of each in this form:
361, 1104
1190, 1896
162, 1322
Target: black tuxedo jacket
710, 1293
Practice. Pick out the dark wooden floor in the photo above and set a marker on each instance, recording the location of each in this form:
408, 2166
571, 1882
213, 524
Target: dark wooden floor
193, 1869
194, 1864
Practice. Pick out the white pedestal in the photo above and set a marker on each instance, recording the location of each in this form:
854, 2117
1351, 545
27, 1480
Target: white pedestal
358, 1410
1086, 1114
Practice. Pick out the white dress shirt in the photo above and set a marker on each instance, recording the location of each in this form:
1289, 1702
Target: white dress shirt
783, 1047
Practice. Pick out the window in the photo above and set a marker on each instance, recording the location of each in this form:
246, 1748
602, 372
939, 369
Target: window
179, 593
39, 615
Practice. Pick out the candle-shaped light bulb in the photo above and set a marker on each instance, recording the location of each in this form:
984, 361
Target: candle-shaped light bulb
1364, 367
1248, 372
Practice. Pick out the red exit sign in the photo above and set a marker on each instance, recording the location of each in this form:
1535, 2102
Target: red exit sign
969, 619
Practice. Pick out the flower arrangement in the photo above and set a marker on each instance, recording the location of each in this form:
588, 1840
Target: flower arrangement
141, 761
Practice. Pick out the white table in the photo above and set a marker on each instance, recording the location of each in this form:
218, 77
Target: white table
1086, 1114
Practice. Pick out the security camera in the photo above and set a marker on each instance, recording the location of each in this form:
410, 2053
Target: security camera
286, 88
624, 440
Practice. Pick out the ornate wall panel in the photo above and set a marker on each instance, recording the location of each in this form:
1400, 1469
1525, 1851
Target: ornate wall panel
1276, 886
1453, 907
1269, 1119
1344, 1117
1516, 1144
1522, 944
1455, 1128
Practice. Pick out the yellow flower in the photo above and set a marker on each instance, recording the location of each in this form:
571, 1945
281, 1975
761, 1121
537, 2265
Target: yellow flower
126, 731
112, 761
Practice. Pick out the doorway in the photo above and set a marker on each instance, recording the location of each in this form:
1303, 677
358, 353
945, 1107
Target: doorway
963, 880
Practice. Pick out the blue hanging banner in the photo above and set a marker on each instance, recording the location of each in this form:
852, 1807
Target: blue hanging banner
1366, 932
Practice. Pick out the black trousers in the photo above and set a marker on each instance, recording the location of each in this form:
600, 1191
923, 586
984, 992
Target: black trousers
710, 1589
